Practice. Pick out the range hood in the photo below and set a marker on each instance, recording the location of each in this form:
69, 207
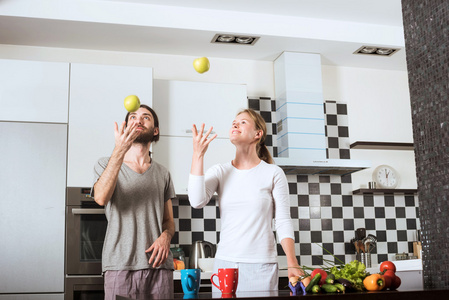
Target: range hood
301, 138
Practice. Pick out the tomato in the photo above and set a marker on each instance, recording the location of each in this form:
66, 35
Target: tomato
323, 275
388, 281
387, 265
389, 273
395, 283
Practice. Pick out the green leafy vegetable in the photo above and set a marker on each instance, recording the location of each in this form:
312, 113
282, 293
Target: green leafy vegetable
355, 272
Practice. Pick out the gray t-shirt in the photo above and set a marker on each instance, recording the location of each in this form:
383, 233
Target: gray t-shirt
135, 214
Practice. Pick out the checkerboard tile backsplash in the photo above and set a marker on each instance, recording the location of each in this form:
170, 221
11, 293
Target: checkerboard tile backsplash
323, 209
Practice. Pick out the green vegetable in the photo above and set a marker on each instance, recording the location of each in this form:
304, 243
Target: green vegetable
329, 288
316, 289
313, 282
354, 272
340, 287
330, 279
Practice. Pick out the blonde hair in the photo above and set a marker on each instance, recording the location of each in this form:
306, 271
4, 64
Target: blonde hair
261, 148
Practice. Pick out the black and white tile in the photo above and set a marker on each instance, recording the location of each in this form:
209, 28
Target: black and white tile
325, 214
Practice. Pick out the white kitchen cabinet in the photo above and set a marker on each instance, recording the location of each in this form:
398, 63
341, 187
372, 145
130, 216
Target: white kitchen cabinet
97, 93
179, 104
33, 91
32, 208
175, 153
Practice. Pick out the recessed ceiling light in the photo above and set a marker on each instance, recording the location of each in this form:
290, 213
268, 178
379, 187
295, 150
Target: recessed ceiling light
234, 39
244, 39
384, 51
368, 50
226, 38
374, 50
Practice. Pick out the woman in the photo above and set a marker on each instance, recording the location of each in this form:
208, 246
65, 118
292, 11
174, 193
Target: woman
251, 191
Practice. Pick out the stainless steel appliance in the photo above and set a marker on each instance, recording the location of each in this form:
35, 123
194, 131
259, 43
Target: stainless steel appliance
199, 250
85, 231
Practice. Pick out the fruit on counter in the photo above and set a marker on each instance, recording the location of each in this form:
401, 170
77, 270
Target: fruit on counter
346, 284
178, 264
388, 270
323, 275
329, 288
388, 281
132, 103
316, 289
395, 283
341, 288
374, 282
330, 279
201, 64
355, 272
387, 265
315, 281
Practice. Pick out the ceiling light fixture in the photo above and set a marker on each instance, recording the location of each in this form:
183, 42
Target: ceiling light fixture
373, 50
234, 39
226, 38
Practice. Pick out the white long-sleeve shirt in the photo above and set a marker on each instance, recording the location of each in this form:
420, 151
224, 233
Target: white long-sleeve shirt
248, 201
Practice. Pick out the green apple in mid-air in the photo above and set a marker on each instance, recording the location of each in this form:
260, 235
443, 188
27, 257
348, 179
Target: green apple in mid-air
201, 64
132, 103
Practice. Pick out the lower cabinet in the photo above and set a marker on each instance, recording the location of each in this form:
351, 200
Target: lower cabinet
175, 153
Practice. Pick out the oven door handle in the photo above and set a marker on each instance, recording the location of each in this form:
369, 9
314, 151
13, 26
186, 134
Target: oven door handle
87, 211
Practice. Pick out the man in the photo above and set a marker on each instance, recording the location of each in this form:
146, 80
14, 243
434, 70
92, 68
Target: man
136, 193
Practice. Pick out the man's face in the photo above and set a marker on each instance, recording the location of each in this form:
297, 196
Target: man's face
145, 125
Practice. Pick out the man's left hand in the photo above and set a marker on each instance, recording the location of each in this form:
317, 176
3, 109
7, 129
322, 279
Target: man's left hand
159, 250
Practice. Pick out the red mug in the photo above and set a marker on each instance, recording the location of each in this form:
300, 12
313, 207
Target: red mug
228, 279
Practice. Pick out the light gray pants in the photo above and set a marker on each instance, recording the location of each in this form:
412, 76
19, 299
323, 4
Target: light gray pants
139, 282
252, 277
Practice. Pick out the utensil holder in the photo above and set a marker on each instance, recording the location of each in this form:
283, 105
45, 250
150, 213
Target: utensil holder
364, 258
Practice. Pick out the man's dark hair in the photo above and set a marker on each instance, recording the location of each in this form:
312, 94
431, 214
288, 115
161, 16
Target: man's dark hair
155, 118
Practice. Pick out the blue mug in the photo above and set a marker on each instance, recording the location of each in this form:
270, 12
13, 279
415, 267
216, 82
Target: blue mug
190, 280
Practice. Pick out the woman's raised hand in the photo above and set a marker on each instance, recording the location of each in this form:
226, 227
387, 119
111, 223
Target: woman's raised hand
201, 140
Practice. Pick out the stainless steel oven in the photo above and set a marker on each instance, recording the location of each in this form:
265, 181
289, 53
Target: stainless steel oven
85, 231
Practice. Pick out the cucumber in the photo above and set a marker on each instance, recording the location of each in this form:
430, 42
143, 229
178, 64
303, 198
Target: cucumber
329, 288
315, 280
330, 279
340, 287
316, 289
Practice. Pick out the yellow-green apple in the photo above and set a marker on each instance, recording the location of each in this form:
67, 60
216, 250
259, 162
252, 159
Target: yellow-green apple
201, 64
132, 103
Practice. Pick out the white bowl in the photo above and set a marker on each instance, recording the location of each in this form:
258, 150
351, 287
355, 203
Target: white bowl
206, 264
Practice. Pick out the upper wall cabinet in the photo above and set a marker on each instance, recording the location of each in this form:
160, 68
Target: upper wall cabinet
179, 104
32, 91
97, 93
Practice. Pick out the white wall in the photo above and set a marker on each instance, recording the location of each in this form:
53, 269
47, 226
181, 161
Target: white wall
378, 100
378, 110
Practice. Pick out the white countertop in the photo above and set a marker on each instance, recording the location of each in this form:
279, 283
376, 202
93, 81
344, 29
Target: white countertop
401, 266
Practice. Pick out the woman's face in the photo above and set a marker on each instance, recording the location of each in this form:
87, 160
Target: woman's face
243, 130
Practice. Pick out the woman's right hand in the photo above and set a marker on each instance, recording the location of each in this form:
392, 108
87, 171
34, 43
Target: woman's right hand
201, 140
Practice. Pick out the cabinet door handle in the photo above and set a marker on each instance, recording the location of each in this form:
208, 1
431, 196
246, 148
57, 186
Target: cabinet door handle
88, 211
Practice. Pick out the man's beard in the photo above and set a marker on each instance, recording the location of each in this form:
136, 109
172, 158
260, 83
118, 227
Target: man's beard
145, 137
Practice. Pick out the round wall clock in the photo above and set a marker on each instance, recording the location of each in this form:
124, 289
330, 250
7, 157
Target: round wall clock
386, 177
